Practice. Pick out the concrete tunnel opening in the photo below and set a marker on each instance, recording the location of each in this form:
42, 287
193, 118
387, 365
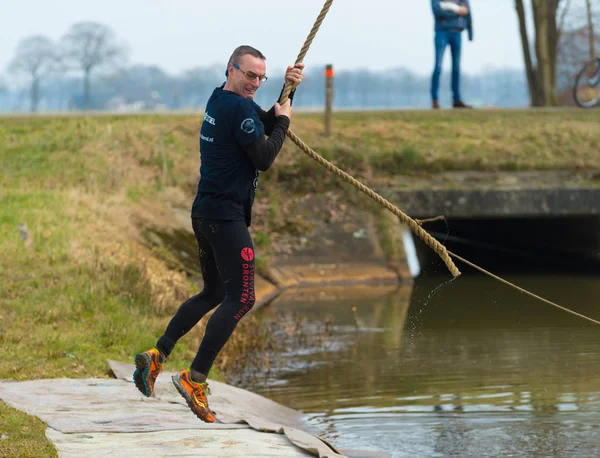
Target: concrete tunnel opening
527, 245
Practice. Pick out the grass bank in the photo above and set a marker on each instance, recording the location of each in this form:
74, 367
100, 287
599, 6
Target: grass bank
391, 143
79, 284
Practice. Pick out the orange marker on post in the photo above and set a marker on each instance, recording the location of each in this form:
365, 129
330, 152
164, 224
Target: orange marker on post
328, 97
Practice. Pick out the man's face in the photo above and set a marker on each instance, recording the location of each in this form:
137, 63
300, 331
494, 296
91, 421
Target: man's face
241, 84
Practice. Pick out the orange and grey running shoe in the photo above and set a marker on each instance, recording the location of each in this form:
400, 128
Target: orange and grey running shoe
148, 367
195, 395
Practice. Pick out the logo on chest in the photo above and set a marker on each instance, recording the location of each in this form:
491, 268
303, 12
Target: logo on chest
209, 119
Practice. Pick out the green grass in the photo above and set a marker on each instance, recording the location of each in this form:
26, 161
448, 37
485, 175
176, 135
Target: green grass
22, 435
61, 317
408, 141
83, 290
74, 296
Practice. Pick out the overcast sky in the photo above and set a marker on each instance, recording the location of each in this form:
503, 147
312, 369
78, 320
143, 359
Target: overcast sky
181, 34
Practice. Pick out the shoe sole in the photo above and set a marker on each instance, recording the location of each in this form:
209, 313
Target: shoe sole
183, 392
141, 376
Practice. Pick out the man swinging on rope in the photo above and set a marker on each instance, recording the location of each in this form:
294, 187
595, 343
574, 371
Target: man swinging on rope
233, 149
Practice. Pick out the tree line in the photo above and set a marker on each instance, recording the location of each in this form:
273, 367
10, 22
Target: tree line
559, 42
86, 47
142, 87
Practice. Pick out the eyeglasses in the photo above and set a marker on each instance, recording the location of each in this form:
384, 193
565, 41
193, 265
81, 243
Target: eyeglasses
251, 75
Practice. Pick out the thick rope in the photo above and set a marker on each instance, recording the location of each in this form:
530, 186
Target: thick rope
415, 226
403, 217
429, 240
309, 39
417, 229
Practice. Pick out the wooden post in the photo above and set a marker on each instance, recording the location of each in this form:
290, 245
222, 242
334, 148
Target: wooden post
590, 29
328, 98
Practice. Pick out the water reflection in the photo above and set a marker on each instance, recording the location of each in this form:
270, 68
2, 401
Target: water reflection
473, 369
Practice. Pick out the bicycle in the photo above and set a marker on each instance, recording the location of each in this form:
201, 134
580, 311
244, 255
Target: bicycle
586, 91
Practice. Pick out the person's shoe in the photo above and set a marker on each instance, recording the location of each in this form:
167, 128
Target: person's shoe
435, 105
195, 395
148, 367
460, 104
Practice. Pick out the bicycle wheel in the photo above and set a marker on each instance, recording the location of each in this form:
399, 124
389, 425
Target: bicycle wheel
586, 91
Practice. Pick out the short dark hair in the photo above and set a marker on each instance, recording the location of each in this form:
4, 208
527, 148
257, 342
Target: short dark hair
241, 51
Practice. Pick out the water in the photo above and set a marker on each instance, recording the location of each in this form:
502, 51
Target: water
462, 368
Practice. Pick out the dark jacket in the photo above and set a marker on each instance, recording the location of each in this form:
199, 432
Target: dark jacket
232, 151
450, 21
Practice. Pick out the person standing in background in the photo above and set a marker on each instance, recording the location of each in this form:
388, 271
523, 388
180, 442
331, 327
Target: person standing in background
452, 17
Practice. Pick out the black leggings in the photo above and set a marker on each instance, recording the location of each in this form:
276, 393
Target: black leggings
227, 261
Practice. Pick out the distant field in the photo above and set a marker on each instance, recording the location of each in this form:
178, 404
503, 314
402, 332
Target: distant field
83, 288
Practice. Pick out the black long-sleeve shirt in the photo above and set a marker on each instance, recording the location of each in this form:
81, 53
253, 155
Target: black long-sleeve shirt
264, 151
233, 149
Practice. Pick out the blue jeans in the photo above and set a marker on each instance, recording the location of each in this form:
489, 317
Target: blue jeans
444, 38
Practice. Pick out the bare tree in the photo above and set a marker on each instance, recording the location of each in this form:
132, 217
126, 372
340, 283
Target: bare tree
88, 46
36, 57
590, 22
540, 65
579, 38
